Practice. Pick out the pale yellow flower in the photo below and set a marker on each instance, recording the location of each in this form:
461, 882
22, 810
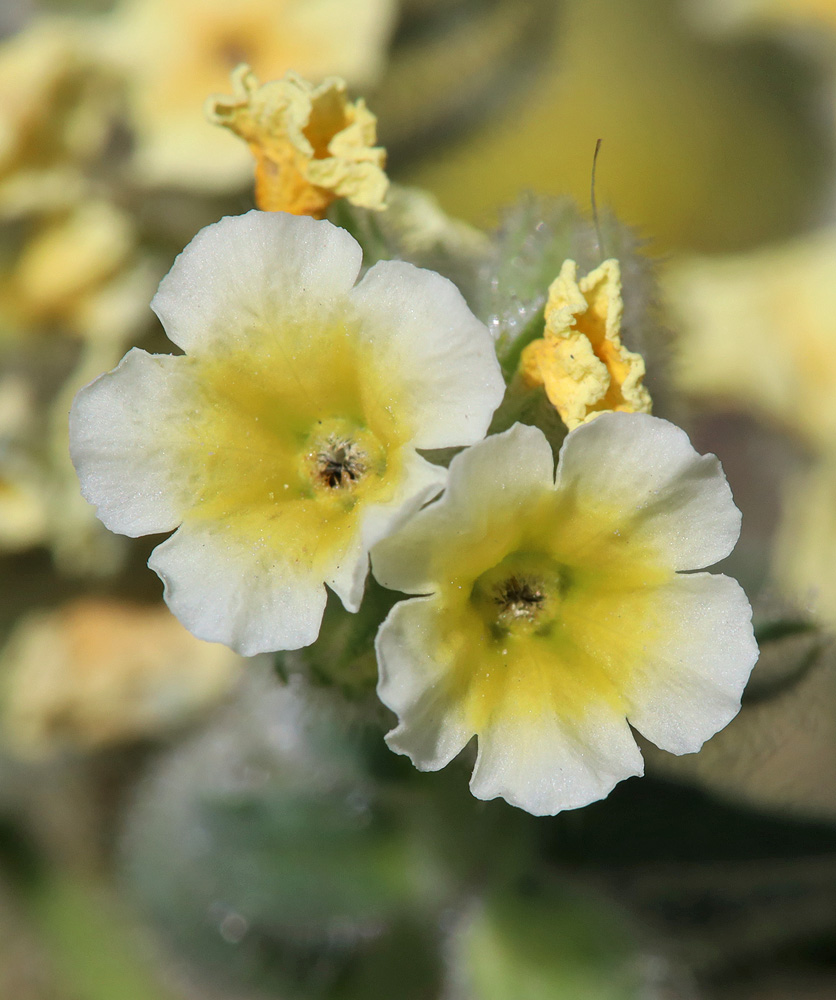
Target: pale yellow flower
310, 143
176, 53
580, 360
556, 609
758, 331
99, 672
285, 442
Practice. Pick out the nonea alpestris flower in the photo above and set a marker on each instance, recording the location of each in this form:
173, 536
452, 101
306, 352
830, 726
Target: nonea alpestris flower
554, 612
282, 445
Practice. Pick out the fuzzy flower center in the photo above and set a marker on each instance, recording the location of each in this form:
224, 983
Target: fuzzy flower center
340, 455
520, 595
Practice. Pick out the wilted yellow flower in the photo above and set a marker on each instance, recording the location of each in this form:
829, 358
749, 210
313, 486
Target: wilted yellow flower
580, 360
311, 144
759, 330
177, 52
98, 672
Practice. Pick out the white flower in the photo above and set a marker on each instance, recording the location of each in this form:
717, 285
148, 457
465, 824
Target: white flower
283, 444
556, 612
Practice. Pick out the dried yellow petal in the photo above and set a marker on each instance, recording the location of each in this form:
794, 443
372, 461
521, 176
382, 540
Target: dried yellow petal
580, 360
311, 144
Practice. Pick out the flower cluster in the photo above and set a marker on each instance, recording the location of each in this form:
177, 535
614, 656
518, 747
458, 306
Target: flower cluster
284, 446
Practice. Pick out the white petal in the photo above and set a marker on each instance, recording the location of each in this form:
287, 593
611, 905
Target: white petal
691, 683
438, 359
247, 276
543, 765
411, 682
645, 473
492, 482
126, 447
223, 590
421, 482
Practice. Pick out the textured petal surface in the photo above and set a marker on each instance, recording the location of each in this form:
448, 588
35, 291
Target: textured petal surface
413, 683
657, 489
488, 484
126, 443
246, 277
691, 680
543, 766
223, 591
436, 358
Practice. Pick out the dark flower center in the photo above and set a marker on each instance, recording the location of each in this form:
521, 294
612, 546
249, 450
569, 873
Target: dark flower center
340, 463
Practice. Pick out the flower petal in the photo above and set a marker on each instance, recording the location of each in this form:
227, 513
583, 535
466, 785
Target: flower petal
689, 687
499, 476
125, 442
657, 489
224, 590
244, 278
438, 359
432, 729
544, 765
421, 482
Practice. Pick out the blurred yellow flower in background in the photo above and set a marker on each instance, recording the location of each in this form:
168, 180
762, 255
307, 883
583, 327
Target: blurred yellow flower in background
805, 548
77, 272
176, 52
23, 514
580, 360
758, 334
57, 106
759, 330
311, 144
98, 672
705, 144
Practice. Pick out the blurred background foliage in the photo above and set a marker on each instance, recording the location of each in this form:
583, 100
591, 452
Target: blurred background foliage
175, 823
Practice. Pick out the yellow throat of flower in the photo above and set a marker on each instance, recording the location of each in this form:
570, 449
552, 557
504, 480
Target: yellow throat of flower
291, 447
551, 615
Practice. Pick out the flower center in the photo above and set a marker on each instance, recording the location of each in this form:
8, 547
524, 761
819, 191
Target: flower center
521, 595
340, 463
340, 456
